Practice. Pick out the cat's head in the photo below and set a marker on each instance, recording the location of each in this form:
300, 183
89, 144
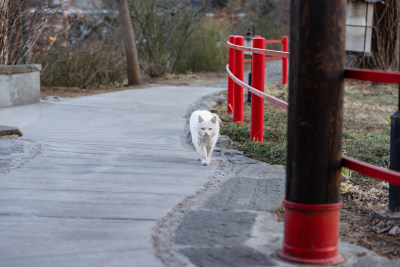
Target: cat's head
208, 127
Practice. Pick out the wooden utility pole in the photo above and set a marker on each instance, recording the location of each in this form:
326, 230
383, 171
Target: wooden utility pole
316, 82
129, 43
315, 101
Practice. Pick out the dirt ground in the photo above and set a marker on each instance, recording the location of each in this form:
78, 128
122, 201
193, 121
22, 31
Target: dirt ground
359, 223
202, 78
361, 198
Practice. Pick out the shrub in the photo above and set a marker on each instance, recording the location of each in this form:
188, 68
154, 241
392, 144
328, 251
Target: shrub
162, 29
95, 65
22, 23
92, 57
205, 49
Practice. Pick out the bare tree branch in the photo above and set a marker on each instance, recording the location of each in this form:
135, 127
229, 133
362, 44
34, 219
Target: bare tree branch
22, 22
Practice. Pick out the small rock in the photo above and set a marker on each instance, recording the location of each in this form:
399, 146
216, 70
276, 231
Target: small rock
394, 231
383, 230
224, 141
50, 98
229, 152
217, 149
383, 227
239, 159
212, 103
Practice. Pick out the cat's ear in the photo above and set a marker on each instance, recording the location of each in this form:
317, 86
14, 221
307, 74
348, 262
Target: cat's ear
200, 118
214, 119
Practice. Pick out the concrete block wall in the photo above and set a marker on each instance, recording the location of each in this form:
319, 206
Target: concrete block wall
19, 85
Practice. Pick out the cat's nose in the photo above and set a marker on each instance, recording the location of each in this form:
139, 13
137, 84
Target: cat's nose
205, 133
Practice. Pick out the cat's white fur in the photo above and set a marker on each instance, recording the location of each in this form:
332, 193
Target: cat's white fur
204, 128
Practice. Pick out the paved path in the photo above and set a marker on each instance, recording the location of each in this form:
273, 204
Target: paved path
110, 166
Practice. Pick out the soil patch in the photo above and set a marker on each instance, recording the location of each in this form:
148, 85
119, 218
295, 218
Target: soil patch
198, 79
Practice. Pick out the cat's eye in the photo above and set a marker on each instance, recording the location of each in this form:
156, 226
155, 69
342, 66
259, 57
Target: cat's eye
203, 129
210, 129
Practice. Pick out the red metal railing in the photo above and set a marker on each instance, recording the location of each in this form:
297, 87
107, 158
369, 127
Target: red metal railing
235, 91
272, 55
390, 176
393, 177
285, 48
373, 75
256, 92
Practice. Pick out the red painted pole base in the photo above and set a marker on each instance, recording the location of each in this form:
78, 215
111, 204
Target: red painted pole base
311, 233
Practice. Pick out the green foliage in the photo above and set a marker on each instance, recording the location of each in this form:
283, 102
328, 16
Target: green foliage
347, 174
162, 30
370, 147
205, 49
273, 148
182, 38
237, 132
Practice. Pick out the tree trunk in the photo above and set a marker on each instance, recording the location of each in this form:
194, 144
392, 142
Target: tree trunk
129, 43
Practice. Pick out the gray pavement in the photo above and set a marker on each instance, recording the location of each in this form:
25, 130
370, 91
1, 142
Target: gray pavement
110, 167
110, 180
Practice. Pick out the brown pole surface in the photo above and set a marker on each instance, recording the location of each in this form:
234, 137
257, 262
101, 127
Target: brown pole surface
316, 84
132, 62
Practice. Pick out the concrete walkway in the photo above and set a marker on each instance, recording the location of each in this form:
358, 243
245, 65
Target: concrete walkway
110, 167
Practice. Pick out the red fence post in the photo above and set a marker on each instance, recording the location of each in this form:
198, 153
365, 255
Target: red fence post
257, 103
229, 107
285, 48
238, 71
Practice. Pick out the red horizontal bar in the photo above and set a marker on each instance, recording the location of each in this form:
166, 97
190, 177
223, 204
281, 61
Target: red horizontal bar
253, 90
260, 51
373, 75
390, 176
273, 41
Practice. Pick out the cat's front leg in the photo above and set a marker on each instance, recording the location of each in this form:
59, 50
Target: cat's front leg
204, 158
199, 151
209, 151
210, 148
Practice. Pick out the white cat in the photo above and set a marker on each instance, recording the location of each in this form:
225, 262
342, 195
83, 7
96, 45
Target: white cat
204, 127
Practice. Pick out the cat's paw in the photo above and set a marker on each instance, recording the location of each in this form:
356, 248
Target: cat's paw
205, 163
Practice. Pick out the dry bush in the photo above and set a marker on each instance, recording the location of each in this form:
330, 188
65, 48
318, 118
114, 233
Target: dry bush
82, 49
384, 42
162, 31
97, 61
22, 22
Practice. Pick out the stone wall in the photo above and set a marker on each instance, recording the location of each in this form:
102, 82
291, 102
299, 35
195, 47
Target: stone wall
19, 85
